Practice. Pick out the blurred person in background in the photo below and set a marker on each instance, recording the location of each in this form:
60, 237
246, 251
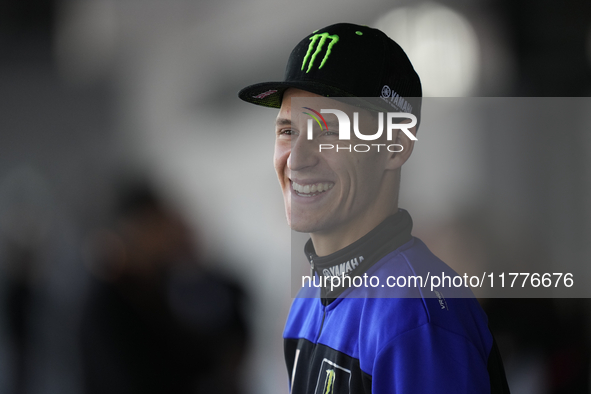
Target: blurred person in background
17, 296
31, 240
156, 320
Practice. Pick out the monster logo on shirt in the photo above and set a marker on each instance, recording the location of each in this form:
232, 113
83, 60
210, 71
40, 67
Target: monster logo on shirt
336, 379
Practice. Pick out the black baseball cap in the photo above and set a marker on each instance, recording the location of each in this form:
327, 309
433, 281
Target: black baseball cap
346, 60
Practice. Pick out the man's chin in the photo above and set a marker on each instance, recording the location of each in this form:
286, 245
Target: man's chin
300, 229
302, 226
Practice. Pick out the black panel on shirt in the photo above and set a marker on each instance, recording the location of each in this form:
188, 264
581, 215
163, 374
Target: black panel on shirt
315, 360
321, 369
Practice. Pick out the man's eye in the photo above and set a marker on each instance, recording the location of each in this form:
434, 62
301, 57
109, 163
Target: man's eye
287, 132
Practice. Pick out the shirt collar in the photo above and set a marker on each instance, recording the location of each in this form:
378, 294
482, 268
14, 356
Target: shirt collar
356, 258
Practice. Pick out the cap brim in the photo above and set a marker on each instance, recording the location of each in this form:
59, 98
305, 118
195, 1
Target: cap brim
270, 94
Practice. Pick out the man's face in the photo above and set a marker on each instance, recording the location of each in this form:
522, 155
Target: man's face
329, 190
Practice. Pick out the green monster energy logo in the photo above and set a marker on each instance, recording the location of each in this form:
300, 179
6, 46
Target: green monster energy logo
314, 39
329, 382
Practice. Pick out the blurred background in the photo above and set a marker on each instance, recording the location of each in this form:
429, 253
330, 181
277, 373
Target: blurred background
143, 244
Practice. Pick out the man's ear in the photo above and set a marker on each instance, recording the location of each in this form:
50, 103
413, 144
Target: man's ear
405, 147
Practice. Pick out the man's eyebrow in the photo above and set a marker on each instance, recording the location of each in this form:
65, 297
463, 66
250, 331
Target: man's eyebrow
287, 122
332, 123
283, 122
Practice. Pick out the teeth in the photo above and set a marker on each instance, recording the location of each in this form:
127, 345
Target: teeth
312, 189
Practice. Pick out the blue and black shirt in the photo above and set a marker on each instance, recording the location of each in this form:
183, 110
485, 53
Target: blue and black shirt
381, 339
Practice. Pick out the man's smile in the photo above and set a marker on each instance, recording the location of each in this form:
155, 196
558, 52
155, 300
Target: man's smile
311, 189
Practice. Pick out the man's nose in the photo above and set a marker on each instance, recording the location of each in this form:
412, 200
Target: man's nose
303, 154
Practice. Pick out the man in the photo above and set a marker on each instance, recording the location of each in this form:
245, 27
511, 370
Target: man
350, 336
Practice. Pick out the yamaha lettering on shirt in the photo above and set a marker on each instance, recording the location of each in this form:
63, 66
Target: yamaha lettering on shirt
343, 268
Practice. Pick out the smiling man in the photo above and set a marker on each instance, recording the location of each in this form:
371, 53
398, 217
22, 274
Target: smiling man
354, 334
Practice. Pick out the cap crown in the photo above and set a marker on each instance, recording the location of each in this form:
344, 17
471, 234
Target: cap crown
346, 60
357, 60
